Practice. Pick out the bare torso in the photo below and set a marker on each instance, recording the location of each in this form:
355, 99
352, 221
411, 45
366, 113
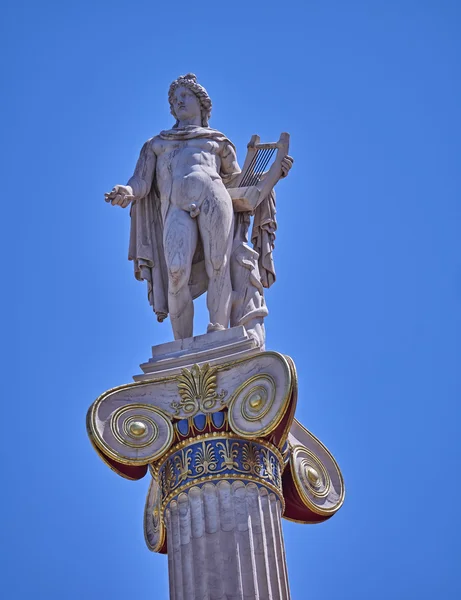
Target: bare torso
187, 171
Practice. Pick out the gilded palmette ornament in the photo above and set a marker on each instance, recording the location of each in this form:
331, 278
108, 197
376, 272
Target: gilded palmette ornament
229, 453
197, 388
182, 462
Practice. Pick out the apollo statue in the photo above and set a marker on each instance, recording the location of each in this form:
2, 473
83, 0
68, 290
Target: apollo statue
191, 208
212, 419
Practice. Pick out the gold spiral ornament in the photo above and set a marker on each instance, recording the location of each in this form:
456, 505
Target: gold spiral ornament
318, 483
253, 408
137, 434
256, 404
154, 528
137, 429
313, 474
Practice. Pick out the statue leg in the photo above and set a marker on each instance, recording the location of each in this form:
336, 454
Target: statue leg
179, 241
216, 224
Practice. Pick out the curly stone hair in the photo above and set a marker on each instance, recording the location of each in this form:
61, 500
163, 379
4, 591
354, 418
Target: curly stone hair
190, 81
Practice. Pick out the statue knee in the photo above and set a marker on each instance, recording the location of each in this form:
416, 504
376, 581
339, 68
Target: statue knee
219, 262
178, 277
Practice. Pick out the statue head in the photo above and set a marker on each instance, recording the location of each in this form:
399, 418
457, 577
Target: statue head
192, 97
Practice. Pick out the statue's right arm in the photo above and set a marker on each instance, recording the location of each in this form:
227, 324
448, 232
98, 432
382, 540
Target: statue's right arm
140, 183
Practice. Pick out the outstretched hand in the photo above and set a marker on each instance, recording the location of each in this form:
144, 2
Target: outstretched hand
120, 195
286, 165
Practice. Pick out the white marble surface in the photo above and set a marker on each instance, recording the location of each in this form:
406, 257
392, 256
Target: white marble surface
225, 542
183, 228
214, 348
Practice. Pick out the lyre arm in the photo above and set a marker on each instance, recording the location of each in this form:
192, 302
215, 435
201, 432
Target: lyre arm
250, 157
254, 185
270, 179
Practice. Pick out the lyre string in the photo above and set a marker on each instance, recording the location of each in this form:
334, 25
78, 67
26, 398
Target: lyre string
258, 170
257, 167
249, 175
261, 165
266, 162
249, 170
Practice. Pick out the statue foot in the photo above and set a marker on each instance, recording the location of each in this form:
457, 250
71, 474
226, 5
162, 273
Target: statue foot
214, 327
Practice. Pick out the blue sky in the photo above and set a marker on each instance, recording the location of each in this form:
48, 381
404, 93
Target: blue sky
367, 299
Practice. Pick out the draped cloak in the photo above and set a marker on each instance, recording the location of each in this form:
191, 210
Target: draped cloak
148, 214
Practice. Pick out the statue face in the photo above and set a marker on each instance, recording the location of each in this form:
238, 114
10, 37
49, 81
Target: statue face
185, 104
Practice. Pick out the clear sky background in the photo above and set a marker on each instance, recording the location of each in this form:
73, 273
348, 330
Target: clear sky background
367, 299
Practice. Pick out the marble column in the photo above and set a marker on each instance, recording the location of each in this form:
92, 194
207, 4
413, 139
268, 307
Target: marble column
227, 460
225, 542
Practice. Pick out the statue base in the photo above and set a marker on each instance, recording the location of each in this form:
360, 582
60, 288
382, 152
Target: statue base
213, 348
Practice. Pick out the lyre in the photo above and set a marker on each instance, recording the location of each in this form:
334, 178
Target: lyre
254, 184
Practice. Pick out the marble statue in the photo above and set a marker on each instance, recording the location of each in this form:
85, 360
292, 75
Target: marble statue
188, 235
211, 418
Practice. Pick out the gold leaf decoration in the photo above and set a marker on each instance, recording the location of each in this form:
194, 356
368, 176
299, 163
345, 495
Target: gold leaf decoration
228, 454
182, 462
251, 459
197, 389
205, 460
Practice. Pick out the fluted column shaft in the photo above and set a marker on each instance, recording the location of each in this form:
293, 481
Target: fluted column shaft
225, 543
